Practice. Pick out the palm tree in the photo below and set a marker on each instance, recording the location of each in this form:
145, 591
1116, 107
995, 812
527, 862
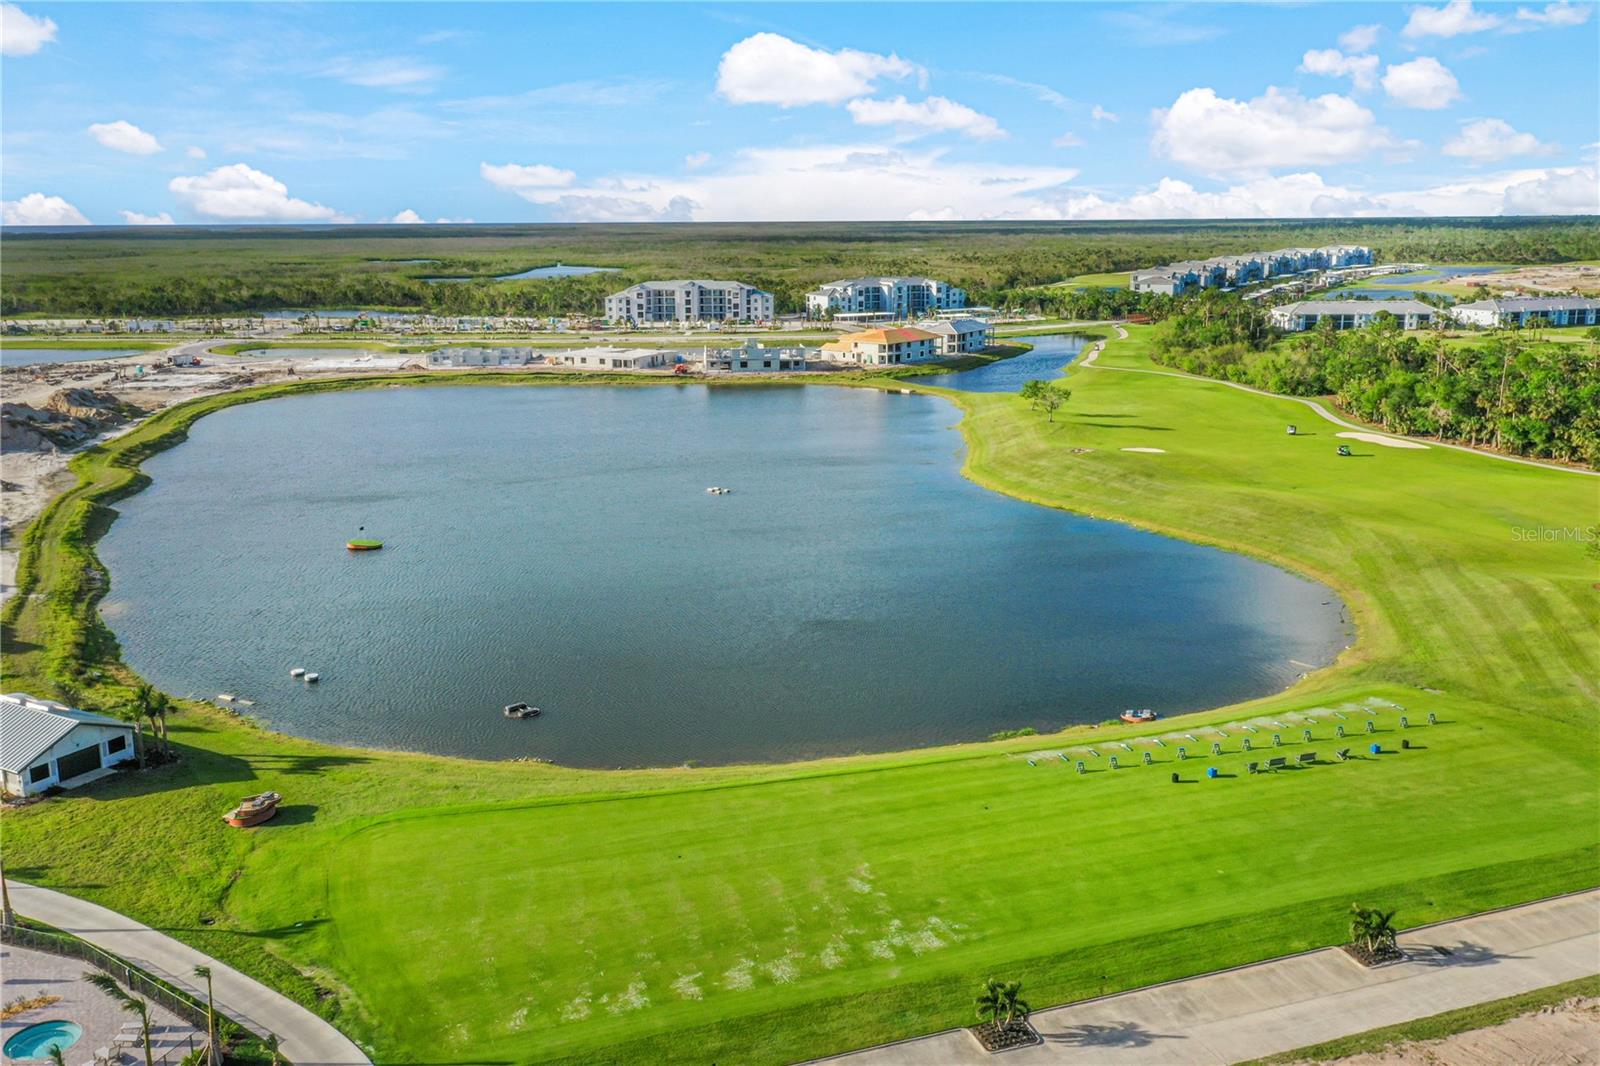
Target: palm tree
133, 713
213, 1056
1372, 929
1000, 1002
272, 1048
160, 705
128, 1002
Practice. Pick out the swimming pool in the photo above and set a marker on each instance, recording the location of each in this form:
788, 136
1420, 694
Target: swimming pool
35, 1041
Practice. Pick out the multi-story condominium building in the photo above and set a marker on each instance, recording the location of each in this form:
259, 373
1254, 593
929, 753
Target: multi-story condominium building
1232, 271
958, 336
1528, 311
885, 347
690, 301
1350, 314
480, 357
870, 299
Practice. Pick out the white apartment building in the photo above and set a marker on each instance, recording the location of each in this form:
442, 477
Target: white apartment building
1528, 311
883, 298
958, 336
1232, 271
885, 347
44, 744
1350, 314
690, 301
754, 358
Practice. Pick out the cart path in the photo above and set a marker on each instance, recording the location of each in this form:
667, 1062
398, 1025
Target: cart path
306, 1040
1292, 1002
1122, 334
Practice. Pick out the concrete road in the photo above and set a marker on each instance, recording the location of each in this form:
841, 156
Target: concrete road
1289, 1003
306, 1040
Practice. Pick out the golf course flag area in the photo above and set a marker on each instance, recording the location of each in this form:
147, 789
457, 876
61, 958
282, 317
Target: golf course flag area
444, 910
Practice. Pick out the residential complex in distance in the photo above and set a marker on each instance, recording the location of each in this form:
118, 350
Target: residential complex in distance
1528, 311
690, 301
884, 347
754, 357
882, 299
960, 336
1232, 271
1350, 314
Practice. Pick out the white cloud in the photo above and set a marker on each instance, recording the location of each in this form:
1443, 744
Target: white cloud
1362, 70
21, 34
1574, 191
37, 209
194, 151
1359, 38
1557, 14
517, 178
1451, 20
768, 68
815, 183
1042, 93
1278, 129
1489, 140
1100, 114
123, 136
696, 160
240, 192
385, 72
1068, 140
134, 218
934, 113
1305, 195
1423, 83
407, 217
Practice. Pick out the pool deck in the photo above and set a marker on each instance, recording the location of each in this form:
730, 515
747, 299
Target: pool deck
25, 973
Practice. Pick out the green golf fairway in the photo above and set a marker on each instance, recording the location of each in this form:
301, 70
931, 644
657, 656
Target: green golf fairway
452, 911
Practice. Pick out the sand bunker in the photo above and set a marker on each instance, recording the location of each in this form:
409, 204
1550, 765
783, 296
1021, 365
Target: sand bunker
1152, 451
1387, 442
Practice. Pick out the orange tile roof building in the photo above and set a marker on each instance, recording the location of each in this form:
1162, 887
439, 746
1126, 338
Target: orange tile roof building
884, 347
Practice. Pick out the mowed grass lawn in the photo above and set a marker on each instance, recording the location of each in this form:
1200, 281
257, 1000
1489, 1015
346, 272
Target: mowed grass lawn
461, 912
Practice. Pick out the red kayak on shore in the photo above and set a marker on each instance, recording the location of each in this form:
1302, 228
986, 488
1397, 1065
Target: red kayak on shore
1136, 717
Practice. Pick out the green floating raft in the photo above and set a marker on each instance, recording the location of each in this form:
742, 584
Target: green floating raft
363, 545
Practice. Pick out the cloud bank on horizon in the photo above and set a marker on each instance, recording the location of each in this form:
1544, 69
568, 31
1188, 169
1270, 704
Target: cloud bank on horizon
153, 115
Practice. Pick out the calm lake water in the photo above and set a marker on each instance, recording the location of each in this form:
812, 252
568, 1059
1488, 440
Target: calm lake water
1049, 358
557, 545
555, 270
10, 356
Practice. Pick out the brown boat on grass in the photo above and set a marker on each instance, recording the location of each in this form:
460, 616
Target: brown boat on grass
253, 810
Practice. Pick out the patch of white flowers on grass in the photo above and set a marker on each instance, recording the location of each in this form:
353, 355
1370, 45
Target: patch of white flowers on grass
687, 986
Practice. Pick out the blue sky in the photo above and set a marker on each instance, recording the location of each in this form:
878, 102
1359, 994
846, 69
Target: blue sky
199, 113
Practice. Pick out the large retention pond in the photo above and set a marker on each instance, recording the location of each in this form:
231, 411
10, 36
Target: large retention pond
557, 545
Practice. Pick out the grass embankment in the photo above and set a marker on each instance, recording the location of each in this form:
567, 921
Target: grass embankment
466, 911
1437, 1026
1115, 279
115, 344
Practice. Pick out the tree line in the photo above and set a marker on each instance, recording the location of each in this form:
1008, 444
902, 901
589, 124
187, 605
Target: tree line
1510, 389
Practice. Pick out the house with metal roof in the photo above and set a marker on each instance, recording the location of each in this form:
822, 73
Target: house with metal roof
44, 744
1529, 311
958, 336
884, 347
1350, 314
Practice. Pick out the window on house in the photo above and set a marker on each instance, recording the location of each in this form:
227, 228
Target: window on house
116, 744
38, 773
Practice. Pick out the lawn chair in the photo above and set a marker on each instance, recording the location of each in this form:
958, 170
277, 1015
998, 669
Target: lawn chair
1252, 768
1307, 757
1343, 754
1278, 763
1344, 449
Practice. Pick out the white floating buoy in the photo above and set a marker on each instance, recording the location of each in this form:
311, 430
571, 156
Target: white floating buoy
313, 677
298, 671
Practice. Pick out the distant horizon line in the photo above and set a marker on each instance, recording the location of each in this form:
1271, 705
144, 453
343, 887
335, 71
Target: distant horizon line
387, 227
